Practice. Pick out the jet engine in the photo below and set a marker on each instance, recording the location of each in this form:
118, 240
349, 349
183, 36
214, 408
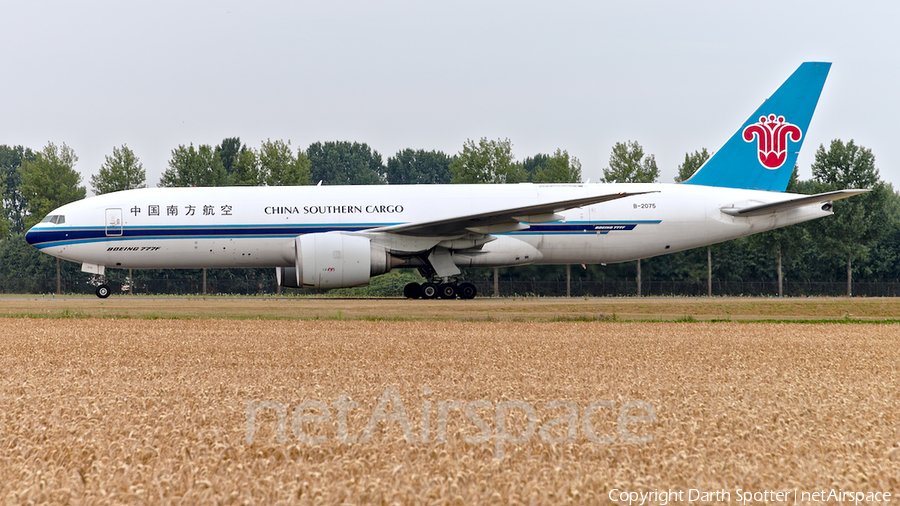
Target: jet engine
334, 260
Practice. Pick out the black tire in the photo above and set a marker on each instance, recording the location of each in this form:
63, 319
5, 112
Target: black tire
447, 291
103, 291
411, 291
467, 291
428, 291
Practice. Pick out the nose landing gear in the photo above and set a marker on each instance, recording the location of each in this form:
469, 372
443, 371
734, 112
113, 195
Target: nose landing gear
102, 291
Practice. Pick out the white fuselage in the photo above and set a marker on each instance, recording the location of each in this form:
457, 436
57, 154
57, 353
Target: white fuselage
256, 226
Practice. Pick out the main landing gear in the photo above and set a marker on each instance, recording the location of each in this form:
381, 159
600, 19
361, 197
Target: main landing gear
444, 290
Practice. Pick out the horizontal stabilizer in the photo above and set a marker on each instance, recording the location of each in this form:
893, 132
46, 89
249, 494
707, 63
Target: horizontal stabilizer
761, 209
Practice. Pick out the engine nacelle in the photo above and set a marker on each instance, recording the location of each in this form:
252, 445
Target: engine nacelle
333, 260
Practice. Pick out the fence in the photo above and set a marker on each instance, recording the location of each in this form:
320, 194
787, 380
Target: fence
628, 288
246, 285
265, 284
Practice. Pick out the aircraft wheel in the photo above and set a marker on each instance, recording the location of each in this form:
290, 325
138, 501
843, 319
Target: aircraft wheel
447, 291
103, 291
411, 291
428, 291
467, 291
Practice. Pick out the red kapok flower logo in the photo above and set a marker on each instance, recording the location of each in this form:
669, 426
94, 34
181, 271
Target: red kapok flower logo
772, 134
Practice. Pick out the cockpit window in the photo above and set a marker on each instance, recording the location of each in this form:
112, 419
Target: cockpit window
54, 218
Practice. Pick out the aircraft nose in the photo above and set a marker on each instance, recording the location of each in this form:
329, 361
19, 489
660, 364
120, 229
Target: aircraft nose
31, 237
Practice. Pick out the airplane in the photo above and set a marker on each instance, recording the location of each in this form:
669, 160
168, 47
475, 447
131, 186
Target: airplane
341, 236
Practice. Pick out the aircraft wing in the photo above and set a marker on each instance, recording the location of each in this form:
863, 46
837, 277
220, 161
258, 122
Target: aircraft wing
761, 209
499, 219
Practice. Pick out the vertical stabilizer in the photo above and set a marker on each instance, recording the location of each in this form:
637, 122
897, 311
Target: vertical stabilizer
762, 153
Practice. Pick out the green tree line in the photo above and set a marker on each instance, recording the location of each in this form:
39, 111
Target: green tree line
858, 243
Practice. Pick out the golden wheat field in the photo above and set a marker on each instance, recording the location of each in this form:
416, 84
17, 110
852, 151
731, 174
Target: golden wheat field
115, 410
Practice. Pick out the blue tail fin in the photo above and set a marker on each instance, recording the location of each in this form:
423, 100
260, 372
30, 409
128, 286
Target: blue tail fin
762, 153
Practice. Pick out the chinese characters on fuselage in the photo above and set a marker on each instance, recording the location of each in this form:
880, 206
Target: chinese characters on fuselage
189, 210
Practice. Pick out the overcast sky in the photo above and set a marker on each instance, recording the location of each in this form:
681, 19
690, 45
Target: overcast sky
580, 76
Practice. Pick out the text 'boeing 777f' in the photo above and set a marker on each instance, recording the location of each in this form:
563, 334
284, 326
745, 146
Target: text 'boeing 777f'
341, 236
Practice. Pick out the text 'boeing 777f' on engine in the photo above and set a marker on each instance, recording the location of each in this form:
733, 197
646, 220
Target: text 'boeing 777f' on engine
342, 236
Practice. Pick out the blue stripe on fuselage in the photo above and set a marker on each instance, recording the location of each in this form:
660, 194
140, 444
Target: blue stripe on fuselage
58, 236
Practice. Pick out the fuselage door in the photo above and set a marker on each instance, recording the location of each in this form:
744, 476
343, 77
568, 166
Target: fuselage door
113, 222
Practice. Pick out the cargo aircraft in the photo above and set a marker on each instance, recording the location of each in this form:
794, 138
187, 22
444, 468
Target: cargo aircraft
342, 236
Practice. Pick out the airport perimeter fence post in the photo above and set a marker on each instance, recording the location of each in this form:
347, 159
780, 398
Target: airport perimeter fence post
639, 277
780, 276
